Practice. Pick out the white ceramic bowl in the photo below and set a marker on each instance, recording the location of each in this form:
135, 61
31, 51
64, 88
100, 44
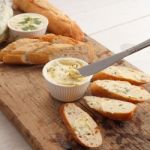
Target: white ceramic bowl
62, 92
17, 33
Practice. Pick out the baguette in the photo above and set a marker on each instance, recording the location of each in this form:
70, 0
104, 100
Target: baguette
59, 39
81, 125
111, 108
40, 50
124, 74
122, 90
59, 23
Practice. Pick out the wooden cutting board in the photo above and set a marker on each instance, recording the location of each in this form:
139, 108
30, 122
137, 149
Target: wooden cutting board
26, 101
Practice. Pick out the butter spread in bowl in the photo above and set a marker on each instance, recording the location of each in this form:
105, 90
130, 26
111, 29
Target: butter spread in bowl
28, 24
64, 80
64, 72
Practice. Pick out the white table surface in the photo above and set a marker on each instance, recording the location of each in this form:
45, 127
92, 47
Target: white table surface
117, 24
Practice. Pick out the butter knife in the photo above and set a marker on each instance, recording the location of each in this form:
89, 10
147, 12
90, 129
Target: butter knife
100, 65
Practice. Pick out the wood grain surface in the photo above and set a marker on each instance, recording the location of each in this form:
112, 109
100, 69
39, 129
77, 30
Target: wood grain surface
26, 101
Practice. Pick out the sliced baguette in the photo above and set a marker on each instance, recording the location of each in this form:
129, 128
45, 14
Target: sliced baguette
81, 125
122, 90
124, 74
111, 108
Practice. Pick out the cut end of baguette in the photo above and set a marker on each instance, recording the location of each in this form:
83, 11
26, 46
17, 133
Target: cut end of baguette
122, 90
111, 108
81, 126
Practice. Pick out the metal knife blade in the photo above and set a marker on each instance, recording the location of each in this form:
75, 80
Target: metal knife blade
100, 65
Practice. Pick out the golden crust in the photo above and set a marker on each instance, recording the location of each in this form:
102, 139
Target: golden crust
13, 59
119, 116
38, 58
52, 38
103, 76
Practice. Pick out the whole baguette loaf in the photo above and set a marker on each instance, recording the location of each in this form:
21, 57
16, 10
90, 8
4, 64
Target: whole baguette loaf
111, 108
124, 74
59, 23
81, 125
122, 90
40, 50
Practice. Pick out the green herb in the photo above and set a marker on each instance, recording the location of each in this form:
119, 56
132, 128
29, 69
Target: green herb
30, 20
115, 72
36, 21
26, 20
30, 27
125, 90
25, 28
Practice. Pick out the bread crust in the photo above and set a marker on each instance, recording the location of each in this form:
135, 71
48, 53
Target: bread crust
40, 50
121, 116
14, 59
69, 127
118, 116
99, 91
52, 38
59, 23
103, 76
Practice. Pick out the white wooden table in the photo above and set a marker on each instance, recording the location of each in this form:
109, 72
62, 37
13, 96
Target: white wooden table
117, 24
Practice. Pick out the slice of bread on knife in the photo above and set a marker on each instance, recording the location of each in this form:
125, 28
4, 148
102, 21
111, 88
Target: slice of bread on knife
122, 90
124, 74
111, 108
81, 126
59, 22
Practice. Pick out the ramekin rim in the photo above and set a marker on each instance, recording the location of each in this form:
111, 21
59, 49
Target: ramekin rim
43, 27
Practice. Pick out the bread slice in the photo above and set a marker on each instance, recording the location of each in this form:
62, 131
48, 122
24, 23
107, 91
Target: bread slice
111, 108
122, 90
81, 125
124, 74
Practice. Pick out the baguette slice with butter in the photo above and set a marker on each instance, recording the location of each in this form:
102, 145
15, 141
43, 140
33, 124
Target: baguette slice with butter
122, 90
81, 125
111, 108
59, 23
124, 74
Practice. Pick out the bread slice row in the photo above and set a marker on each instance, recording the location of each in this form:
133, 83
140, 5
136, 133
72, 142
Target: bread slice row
81, 126
124, 74
111, 108
121, 90
40, 50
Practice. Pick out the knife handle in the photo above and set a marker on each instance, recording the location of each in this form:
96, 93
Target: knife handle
136, 48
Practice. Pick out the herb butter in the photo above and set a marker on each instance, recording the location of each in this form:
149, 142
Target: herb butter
28, 22
64, 72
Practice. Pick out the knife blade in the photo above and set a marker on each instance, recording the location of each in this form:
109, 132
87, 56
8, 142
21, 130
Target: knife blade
100, 65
